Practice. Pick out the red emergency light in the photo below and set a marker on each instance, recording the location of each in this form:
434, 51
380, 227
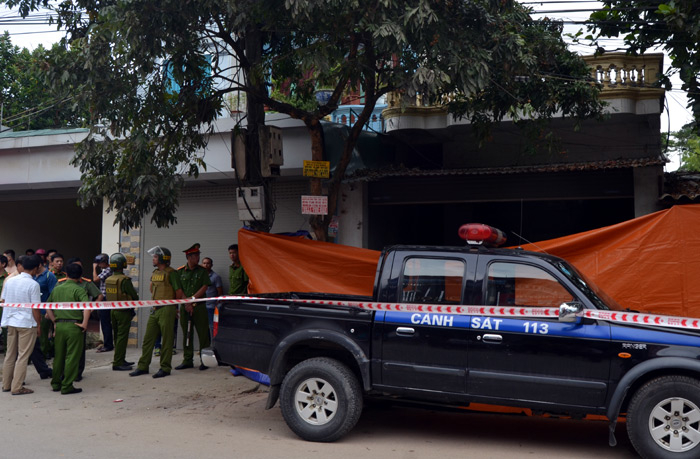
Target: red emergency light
480, 234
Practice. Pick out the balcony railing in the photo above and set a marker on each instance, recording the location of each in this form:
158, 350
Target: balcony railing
620, 70
620, 74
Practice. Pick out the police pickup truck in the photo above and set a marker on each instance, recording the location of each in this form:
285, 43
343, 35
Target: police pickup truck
413, 340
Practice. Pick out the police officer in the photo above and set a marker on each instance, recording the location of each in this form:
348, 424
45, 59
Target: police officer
70, 324
195, 280
94, 294
119, 288
165, 285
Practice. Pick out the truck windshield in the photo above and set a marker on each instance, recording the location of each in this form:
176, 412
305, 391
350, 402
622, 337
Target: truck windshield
599, 298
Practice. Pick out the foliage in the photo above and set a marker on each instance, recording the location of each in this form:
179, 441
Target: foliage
27, 104
686, 143
673, 25
487, 56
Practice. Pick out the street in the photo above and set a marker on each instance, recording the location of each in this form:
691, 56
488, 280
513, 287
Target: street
209, 413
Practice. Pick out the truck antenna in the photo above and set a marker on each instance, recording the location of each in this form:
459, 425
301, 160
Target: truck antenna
531, 243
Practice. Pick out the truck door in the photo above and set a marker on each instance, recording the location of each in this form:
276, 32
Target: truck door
538, 359
421, 350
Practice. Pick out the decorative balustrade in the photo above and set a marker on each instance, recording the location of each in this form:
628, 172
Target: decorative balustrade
637, 75
621, 71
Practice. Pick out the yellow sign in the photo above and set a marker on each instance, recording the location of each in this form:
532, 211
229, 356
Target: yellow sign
317, 169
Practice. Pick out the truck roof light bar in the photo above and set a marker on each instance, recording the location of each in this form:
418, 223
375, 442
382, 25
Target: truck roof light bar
480, 234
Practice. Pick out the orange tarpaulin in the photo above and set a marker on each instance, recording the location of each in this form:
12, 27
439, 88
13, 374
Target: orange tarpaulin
295, 264
650, 263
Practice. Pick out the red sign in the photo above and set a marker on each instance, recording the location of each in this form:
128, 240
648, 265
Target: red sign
314, 205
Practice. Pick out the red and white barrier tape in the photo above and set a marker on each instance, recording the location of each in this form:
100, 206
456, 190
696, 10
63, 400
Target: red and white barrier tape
497, 311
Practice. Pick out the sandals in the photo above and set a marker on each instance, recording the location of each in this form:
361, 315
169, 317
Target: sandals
23, 391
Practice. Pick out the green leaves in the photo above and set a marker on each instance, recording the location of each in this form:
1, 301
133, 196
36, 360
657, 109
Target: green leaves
155, 73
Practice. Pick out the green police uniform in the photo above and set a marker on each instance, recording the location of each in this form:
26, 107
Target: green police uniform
164, 284
119, 288
238, 280
92, 292
69, 337
193, 280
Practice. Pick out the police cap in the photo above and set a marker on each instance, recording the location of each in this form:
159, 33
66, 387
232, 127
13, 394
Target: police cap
193, 249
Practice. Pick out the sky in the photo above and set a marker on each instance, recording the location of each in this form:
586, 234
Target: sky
33, 31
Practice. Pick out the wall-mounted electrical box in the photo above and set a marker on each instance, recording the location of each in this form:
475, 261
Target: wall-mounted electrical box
251, 203
271, 157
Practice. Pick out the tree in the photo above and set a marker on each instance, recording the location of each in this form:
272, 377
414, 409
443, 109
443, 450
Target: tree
686, 143
484, 58
673, 25
26, 103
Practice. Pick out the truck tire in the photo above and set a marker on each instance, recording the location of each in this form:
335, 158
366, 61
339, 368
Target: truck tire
663, 418
321, 399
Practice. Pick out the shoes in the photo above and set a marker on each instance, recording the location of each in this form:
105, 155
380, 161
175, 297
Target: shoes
161, 374
74, 390
156, 352
203, 367
55, 390
46, 375
128, 363
138, 372
6, 390
105, 349
79, 378
23, 391
124, 367
183, 366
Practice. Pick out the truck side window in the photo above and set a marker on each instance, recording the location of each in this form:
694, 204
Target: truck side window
514, 284
433, 281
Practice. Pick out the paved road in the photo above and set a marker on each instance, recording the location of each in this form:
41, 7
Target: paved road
212, 414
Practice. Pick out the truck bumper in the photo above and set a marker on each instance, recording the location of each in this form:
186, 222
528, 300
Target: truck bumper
209, 357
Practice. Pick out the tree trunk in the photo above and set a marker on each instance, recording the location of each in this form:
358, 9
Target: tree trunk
255, 109
317, 221
320, 223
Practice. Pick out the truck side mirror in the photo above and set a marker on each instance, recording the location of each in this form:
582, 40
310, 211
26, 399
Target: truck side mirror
568, 311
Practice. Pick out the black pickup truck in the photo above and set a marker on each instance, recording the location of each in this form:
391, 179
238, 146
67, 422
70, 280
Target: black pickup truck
324, 360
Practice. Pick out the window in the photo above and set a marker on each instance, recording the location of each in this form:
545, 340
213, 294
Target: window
513, 284
432, 281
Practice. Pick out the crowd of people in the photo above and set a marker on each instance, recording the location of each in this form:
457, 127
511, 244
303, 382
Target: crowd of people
34, 335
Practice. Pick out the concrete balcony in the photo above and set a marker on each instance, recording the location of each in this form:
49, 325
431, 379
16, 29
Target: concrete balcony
629, 86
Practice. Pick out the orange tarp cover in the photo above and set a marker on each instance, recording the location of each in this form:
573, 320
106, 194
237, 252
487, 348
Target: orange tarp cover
277, 263
650, 263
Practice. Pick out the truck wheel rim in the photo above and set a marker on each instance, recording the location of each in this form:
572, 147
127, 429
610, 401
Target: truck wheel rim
674, 424
316, 401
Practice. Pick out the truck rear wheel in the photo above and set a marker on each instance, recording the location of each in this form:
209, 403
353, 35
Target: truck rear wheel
321, 399
663, 418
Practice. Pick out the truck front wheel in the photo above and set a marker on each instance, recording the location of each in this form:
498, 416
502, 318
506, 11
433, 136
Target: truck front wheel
321, 399
663, 418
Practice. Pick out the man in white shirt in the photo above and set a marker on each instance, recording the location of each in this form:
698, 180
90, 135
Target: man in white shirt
22, 324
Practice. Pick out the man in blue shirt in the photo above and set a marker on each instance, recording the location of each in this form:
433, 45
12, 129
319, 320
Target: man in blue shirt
215, 289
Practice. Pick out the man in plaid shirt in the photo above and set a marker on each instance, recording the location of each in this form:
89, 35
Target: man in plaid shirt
102, 261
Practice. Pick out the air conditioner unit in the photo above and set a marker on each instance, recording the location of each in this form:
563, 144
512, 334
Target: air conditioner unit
251, 203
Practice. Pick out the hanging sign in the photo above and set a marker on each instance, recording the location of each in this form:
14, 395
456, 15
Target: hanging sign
317, 169
314, 205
